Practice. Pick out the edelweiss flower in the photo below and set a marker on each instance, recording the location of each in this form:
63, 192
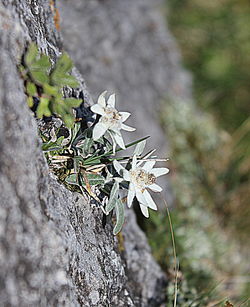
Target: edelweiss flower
111, 120
140, 179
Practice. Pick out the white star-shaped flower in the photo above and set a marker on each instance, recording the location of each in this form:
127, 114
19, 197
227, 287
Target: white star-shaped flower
111, 120
140, 178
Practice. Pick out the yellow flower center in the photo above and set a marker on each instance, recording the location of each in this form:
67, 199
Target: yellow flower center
112, 116
141, 178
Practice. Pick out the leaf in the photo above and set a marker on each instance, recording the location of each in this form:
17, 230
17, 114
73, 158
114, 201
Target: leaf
120, 216
30, 102
94, 179
51, 90
43, 108
60, 79
31, 89
59, 140
39, 69
113, 197
139, 148
86, 146
60, 75
68, 120
39, 77
42, 64
73, 102
72, 179
64, 64
31, 54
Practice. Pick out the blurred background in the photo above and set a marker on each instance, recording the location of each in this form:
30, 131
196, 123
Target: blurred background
210, 155
182, 68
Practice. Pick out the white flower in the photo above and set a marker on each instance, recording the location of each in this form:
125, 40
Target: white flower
140, 178
111, 120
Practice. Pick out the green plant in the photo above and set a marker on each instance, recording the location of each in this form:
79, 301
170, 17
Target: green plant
86, 161
46, 83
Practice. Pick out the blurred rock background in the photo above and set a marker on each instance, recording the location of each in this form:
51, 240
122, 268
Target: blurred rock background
126, 47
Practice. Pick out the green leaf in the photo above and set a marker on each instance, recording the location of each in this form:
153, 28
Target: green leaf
39, 77
120, 216
60, 79
42, 64
113, 197
30, 102
94, 179
52, 90
59, 140
43, 108
68, 120
86, 146
31, 89
72, 179
60, 75
64, 64
72, 102
31, 54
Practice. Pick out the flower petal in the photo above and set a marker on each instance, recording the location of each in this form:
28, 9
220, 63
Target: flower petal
127, 128
149, 200
159, 171
155, 187
99, 131
148, 165
140, 197
124, 115
144, 210
118, 167
98, 109
111, 101
131, 194
119, 140
101, 99
134, 161
126, 174
113, 140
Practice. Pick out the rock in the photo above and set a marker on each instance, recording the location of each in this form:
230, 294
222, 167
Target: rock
55, 250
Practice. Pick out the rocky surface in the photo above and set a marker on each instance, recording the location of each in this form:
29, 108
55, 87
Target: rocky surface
54, 248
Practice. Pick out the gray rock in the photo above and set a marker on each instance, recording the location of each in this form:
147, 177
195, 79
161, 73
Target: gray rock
54, 249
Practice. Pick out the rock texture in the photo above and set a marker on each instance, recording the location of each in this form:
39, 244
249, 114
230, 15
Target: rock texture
54, 249
124, 46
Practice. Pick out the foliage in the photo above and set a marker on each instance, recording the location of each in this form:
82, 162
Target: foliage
45, 83
215, 41
212, 170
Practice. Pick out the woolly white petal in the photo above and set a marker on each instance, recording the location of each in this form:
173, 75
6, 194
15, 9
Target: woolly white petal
126, 174
113, 141
98, 109
159, 171
148, 165
149, 200
124, 115
111, 101
99, 131
118, 167
134, 161
127, 128
101, 99
131, 194
140, 197
119, 140
144, 210
155, 187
